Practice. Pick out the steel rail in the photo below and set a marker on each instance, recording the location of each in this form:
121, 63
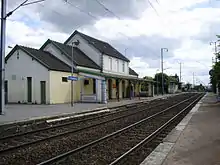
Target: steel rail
153, 135
72, 131
129, 106
58, 157
68, 123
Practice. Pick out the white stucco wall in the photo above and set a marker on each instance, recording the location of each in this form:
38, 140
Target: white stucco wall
20, 69
95, 55
85, 47
56, 52
116, 67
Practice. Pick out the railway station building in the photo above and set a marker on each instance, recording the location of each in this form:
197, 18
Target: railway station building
42, 75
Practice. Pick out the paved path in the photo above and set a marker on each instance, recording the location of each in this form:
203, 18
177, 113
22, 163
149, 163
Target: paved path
22, 112
195, 141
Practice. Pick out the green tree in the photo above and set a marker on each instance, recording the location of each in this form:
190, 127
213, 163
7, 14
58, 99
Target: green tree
166, 78
188, 86
199, 88
215, 71
144, 86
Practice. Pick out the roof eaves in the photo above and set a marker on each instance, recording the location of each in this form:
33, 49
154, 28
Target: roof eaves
73, 34
11, 52
85, 38
89, 42
45, 44
26, 51
124, 58
64, 70
62, 51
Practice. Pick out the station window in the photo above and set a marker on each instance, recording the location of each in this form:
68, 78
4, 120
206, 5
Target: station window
64, 79
94, 86
123, 67
110, 63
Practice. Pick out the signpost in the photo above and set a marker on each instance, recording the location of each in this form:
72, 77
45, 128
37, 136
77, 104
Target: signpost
104, 92
72, 78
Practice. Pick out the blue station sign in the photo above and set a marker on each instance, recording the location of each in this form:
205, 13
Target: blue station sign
72, 78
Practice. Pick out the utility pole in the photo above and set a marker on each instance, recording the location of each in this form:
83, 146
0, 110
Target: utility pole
2, 61
72, 76
126, 52
180, 71
213, 62
161, 51
162, 71
4, 16
193, 80
157, 86
216, 51
157, 82
74, 43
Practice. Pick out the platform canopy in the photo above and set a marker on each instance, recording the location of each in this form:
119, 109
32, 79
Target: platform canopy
115, 76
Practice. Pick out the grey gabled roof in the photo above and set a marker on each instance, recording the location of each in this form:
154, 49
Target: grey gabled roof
79, 57
45, 58
132, 72
102, 46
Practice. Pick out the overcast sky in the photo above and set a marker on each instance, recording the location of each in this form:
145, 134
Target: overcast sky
142, 27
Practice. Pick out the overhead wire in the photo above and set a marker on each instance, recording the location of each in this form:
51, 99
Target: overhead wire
110, 11
81, 10
56, 12
94, 17
91, 15
153, 8
157, 1
101, 4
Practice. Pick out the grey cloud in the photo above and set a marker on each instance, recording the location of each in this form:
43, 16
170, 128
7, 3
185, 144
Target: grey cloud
148, 48
197, 72
70, 15
208, 32
67, 17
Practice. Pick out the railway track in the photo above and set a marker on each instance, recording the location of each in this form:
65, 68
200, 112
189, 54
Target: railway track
115, 147
141, 150
14, 141
11, 142
74, 132
19, 130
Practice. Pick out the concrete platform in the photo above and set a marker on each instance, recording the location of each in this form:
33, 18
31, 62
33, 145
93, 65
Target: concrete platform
23, 112
195, 141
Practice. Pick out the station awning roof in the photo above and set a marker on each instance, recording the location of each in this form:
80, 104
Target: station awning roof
109, 75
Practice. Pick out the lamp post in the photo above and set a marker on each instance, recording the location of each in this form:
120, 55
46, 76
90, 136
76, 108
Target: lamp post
216, 51
4, 16
161, 51
180, 72
193, 80
74, 43
157, 82
72, 75
126, 51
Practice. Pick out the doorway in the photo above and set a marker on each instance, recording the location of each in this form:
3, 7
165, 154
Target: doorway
117, 89
43, 92
29, 89
109, 88
6, 91
123, 89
